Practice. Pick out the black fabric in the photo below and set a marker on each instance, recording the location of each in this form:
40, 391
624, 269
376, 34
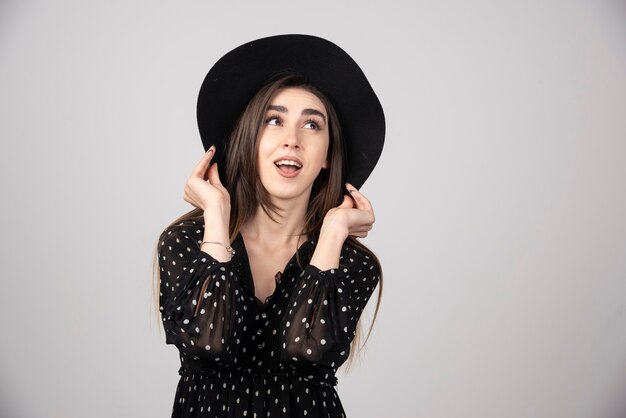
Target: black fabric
241, 357
237, 76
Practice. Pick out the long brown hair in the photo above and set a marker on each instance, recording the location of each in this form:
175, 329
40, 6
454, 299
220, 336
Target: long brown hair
247, 192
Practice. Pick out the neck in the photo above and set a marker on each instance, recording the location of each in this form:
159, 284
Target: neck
261, 228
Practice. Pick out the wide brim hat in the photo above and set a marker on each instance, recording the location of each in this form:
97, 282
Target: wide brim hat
236, 77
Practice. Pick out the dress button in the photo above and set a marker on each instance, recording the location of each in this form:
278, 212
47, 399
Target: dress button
259, 332
263, 315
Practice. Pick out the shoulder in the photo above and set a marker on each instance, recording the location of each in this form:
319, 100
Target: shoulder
357, 257
187, 232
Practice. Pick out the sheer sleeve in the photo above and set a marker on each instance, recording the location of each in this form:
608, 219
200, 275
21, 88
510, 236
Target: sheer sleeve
200, 297
325, 307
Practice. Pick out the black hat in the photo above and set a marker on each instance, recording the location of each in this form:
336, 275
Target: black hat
237, 76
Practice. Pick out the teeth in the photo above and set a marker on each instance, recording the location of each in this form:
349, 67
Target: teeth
288, 162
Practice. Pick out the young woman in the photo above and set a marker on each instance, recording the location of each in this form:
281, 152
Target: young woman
263, 284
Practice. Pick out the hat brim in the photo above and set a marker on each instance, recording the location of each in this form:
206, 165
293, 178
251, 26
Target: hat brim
236, 77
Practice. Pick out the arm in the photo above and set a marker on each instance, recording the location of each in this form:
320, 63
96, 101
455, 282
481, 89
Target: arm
201, 297
325, 307
333, 289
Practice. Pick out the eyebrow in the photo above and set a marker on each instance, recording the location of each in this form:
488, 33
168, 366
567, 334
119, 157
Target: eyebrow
306, 111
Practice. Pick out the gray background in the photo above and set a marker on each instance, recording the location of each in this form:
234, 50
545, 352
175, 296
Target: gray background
500, 199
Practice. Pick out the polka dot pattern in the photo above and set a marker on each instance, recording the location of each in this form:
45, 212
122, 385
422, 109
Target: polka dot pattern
242, 357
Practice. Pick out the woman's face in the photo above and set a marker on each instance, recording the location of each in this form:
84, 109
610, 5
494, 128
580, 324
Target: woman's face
293, 143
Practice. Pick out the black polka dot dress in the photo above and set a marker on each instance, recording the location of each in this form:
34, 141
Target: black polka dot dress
242, 357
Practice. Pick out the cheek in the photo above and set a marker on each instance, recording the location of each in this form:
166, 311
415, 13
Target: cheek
265, 146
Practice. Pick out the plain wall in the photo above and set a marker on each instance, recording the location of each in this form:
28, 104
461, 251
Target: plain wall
500, 199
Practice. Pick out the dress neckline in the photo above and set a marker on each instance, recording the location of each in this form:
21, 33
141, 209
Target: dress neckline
240, 247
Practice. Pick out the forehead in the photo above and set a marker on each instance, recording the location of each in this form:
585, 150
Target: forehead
297, 98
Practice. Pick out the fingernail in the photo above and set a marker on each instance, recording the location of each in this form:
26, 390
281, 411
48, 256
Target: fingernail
211, 149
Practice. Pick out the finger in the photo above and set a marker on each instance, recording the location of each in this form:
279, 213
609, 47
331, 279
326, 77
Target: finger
360, 234
360, 220
347, 202
214, 175
362, 227
200, 169
361, 201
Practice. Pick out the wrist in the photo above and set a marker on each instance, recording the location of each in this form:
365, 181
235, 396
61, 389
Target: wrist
216, 231
328, 248
333, 232
217, 211
223, 253
216, 228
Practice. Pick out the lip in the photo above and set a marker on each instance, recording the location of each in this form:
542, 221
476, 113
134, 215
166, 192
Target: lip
289, 157
295, 173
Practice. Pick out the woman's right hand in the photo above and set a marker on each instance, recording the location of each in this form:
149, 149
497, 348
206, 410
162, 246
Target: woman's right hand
204, 189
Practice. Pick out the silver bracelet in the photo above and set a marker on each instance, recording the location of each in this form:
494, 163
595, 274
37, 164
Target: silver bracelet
230, 249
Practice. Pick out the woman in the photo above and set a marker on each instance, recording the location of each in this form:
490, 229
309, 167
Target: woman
263, 284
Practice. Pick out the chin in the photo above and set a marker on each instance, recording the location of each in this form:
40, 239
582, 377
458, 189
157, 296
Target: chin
287, 194
289, 191
286, 189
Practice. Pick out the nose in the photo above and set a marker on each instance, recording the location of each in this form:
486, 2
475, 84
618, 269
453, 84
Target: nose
291, 139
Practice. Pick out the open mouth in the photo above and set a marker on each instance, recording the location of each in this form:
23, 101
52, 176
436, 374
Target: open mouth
288, 168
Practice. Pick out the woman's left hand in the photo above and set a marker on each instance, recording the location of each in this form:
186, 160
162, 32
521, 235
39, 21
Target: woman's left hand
355, 216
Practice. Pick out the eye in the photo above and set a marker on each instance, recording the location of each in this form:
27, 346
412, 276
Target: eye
273, 120
311, 124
